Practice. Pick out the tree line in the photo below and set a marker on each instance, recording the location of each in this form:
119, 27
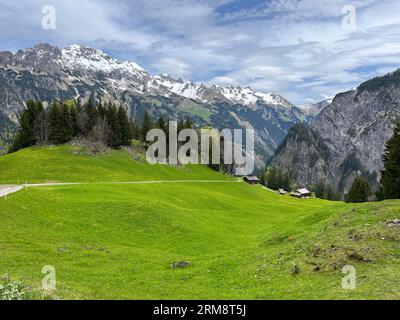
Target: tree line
275, 180
63, 121
98, 123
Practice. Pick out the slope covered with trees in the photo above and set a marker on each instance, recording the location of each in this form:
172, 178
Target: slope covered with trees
64, 121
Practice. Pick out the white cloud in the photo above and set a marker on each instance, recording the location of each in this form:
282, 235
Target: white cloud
295, 47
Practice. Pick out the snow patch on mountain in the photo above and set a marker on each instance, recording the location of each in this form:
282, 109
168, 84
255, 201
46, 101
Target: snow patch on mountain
88, 58
84, 63
205, 94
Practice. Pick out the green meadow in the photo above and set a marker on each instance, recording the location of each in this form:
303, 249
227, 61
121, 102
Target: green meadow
118, 241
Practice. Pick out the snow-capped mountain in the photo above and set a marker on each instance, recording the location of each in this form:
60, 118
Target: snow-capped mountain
201, 92
83, 58
45, 73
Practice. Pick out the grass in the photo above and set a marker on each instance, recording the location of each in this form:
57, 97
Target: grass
73, 164
197, 110
109, 241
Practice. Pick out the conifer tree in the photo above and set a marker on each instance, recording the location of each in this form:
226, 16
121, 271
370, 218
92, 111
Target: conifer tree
91, 112
359, 191
147, 125
60, 123
66, 123
26, 136
390, 178
125, 135
55, 132
41, 128
112, 121
161, 124
188, 124
272, 179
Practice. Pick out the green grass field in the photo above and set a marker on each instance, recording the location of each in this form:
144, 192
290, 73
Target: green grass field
74, 164
118, 241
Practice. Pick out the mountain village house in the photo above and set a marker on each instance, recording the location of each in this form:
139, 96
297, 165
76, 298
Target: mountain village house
251, 180
301, 193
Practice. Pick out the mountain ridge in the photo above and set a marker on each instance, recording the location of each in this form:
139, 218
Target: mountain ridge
351, 132
46, 72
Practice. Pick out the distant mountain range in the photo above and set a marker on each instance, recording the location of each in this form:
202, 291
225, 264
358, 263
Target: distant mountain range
346, 138
333, 140
45, 73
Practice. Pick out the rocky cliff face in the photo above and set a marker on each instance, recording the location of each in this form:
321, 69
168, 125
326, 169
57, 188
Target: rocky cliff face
46, 73
346, 139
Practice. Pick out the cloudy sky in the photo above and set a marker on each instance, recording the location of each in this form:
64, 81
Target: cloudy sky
306, 50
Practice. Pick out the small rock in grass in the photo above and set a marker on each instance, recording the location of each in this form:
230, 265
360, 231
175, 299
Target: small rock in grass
180, 264
295, 270
393, 223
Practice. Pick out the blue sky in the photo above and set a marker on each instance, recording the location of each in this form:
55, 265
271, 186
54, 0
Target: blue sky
298, 48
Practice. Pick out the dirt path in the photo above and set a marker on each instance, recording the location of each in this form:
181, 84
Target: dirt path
8, 189
5, 190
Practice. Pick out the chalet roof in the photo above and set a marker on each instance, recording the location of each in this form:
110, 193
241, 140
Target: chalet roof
303, 191
252, 178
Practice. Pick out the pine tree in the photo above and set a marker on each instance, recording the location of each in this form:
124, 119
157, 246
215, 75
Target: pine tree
112, 121
101, 111
161, 124
41, 127
272, 179
147, 125
60, 123
188, 124
359, 191
125, 135
390, 178
26, 135
92, 114
55, 132
66, 122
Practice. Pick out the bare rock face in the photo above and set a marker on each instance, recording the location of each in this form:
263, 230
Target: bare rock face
45, 73
346, 139
6, 57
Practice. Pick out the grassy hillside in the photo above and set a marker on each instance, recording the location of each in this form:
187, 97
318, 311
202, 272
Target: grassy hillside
242, 242
74, 164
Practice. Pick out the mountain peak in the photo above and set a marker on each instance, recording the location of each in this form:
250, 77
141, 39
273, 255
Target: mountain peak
84, 60
78, 56
313, 109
